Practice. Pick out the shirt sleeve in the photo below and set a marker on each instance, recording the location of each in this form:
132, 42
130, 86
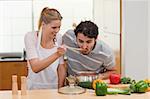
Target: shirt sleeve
59, 43
30, 45
61, 60
69, 38
110, 60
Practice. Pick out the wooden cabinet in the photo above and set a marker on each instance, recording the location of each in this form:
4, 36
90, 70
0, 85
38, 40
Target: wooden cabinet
7, 69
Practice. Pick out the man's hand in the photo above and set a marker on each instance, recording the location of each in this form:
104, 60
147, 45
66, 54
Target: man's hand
106, 74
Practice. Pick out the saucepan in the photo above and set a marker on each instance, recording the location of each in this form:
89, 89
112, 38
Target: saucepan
86, 78
83, 79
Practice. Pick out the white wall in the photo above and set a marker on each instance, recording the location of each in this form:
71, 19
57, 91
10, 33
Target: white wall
135, 39
107, 16
149, 38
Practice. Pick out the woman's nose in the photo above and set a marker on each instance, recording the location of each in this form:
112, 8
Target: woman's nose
57, 30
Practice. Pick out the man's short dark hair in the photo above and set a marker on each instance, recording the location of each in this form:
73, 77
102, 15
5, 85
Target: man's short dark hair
88, 28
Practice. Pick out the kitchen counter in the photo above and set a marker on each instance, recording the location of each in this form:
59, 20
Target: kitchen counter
10, 57
13, 60
53, 94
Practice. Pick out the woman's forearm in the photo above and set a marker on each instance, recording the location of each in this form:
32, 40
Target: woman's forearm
38, 65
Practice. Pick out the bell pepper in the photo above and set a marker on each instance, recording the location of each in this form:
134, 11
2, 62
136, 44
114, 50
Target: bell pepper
96, 81
101, 89
114, 78
147, 81
139, 87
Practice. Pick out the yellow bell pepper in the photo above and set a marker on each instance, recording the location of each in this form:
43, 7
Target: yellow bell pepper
95, 81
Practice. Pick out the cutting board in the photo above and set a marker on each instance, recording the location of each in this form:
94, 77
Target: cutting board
120, 86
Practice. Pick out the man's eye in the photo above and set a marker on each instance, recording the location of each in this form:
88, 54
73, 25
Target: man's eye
80, 41
89, 42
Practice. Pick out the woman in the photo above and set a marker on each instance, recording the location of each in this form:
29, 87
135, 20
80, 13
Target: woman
44, 56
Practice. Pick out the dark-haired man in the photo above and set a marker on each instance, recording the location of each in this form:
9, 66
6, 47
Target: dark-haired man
92, 54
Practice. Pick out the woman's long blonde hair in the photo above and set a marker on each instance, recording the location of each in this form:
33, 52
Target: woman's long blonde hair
47, 15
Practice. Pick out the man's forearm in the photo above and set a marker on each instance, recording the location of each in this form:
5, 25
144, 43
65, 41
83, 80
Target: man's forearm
61, 75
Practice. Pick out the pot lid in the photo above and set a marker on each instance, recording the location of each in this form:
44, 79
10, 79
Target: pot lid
71, 90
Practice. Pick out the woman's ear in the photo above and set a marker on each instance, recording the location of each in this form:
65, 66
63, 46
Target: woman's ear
43, 23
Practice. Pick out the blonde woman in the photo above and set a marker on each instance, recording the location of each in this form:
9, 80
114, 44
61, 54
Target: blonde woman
44, 54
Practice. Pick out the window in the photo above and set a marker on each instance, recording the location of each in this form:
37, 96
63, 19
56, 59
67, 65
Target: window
19, 17
15, 21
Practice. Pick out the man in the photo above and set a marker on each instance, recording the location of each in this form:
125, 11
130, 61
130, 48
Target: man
92, 54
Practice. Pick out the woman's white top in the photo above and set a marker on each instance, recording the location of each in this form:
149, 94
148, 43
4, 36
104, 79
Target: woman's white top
47, 78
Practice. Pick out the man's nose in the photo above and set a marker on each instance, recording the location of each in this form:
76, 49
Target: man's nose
84, 46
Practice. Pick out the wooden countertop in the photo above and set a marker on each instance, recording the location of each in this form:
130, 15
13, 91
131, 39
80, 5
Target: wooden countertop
53, 94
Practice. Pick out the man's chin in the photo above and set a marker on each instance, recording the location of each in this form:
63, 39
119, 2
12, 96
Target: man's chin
85, 53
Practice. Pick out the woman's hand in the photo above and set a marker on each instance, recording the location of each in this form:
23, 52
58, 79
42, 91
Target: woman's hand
61, 51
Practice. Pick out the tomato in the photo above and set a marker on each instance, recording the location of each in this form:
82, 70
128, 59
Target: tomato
114, 78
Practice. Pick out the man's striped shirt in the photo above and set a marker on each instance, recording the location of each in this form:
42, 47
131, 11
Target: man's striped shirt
98, 60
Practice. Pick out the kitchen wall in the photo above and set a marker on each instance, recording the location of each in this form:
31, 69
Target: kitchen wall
107, 17
149, 39
136, 43
135, 36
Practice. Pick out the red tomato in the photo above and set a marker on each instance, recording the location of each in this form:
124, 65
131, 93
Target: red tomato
114, 78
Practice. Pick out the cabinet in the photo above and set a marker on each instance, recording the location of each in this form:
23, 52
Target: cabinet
7, 69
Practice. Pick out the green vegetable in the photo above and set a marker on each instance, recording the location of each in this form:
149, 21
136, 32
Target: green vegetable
148, 84
87, 84
139, 87
133, 88
127, 80
101, 89
112, 91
